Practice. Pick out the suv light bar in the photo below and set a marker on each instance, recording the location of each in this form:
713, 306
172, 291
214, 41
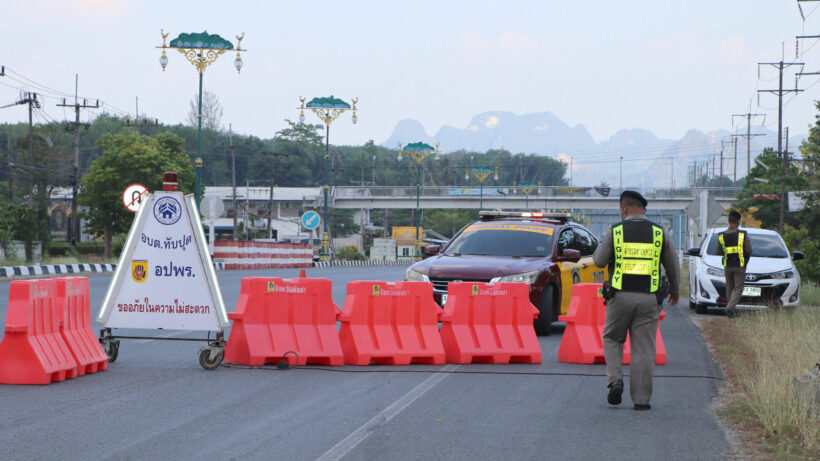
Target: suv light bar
487, 215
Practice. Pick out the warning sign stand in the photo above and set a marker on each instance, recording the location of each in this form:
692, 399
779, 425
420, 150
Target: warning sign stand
165, 279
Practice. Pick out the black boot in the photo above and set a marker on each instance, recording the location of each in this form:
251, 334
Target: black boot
616, 388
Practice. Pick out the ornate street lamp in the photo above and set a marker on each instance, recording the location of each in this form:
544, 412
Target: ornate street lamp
201, 50
418, 151
481, 173
327, 109
527, 188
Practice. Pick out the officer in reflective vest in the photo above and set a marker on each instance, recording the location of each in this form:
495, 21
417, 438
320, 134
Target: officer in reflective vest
634, 249
736, 249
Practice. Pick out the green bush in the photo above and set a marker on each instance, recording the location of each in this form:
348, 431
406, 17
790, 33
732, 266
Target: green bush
59, 249
118, 244
90, 248
350, 253
799, 240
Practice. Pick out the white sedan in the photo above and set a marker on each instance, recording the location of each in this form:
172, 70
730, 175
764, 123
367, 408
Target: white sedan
771, 278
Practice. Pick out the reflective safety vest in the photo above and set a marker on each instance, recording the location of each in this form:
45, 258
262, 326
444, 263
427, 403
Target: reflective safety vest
733, 250
637, 249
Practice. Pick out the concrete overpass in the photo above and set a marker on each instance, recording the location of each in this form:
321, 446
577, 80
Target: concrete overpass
510, 198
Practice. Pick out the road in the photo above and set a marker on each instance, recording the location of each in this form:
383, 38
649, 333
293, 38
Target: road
156, 402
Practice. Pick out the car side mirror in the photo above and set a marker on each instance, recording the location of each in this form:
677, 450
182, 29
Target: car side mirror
571, 255
798, 255
431, 250
693, 252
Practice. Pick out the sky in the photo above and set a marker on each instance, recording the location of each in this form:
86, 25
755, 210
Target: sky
663, 66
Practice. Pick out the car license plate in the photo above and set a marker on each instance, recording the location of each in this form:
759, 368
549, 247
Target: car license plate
751, 291
443, 299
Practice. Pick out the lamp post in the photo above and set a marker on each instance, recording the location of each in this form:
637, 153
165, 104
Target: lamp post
527, 188
201, 50
418, 151
327, 109
481, 173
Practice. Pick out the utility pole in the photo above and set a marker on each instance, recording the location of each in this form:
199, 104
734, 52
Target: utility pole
272, 176
140, 123
74, 227
780, 66
232, 146
672, 173
783, 180
749, 115
734, 164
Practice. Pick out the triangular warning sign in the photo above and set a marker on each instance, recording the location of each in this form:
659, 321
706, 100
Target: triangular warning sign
165, 278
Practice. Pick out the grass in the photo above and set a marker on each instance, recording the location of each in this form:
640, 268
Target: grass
763, 352
809, 294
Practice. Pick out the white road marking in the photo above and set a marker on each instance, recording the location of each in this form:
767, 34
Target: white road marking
347, 444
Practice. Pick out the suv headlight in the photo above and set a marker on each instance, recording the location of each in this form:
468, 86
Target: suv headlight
782, 275
527, 277
413, 276
715, 271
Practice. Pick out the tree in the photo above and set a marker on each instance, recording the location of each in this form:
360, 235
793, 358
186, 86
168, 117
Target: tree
767, 193
129, 158
810, 150
211, 112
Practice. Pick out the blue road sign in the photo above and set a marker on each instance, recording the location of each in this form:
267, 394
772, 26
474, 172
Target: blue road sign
311, 220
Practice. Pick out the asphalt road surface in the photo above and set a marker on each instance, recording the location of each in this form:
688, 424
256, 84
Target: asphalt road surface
155, 402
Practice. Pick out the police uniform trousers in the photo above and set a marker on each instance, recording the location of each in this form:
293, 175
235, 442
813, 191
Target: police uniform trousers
636, 313
735, 281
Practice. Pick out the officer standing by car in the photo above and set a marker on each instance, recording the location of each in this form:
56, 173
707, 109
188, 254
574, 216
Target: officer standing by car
634, 250
736, 248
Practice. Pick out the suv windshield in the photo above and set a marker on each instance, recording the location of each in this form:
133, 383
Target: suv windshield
503, 239
763, 246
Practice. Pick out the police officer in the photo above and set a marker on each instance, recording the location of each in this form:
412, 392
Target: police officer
634, 250
736, 249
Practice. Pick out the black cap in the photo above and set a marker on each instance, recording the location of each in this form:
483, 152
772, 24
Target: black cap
633, 195
734, 216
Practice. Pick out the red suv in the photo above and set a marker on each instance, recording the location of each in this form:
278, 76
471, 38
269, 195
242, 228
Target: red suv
545, 251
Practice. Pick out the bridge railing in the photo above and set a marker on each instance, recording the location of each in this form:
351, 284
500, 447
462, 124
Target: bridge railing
357, 192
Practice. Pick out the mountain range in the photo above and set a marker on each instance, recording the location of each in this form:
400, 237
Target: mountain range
643, 159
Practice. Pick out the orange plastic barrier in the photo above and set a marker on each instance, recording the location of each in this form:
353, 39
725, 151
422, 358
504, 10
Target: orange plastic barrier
390, 323
489, 324
33, 350
73, 304
582, 340
275, 316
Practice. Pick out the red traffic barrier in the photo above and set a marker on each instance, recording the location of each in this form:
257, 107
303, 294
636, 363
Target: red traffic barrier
73, 304
582, 339
583, 336
33, 350
276, 316
489, 323
392, 323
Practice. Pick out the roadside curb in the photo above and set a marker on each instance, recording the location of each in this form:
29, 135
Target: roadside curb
343, 263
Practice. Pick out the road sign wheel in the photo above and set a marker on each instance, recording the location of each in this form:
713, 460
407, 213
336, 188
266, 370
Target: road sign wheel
208, 363
112, 350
